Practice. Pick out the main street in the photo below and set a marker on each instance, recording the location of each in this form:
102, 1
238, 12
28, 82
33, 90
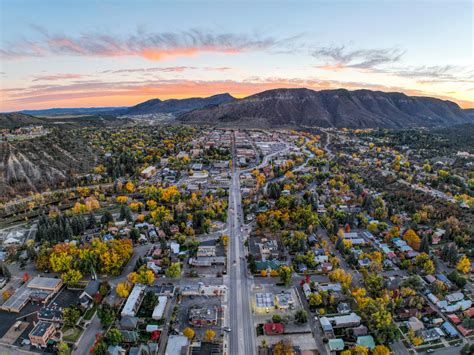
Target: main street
242, 334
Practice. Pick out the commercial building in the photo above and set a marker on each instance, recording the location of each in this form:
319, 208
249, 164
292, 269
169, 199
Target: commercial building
159, 310
41, 333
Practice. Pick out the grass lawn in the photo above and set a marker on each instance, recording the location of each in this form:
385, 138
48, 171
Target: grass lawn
71, 334
90, 313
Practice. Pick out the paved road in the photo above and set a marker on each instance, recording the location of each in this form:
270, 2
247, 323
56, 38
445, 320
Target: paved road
242, 335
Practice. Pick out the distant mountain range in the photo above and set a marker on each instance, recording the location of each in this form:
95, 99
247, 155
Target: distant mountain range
71, 111
279, 108
175, 106
330, 108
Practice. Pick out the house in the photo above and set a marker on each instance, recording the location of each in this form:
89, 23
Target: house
366, 341
128, 323
134, 300
87, 296
273, 328
359, 331
344, 321
41, 333
415, 324
336, 345
343, 308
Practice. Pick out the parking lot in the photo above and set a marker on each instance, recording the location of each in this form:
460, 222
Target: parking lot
188, 303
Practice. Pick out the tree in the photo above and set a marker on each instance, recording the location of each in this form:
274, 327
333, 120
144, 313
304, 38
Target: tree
125, 213
144, 276
285, 273
339, 275
315, 300
106, 314
63, 349
71, 277
209, 335
412, 239
107, 218
174, 270
123, 289
134, 234
283, 347
149, 301
380, 350
100, 348
276, 318
301, 316
114, 337
464, 265
189, 333
425, 245
71, 315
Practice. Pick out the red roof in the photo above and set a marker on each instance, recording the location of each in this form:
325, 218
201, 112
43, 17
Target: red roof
464, 331
469, 312
273, 328
454, 318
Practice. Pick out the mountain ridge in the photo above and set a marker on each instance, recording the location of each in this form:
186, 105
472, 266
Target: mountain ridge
331, 108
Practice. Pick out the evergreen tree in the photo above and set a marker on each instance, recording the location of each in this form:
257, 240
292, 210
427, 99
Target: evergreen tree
425, 245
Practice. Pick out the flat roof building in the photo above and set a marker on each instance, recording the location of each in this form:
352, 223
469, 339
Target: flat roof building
41, 333
134, 300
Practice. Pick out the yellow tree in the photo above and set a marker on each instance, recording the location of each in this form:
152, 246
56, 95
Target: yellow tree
189, 333
123, 289
71, 277
209, 335
464, 265
122, 199
339, 275
412, 239
380, 350
130, 187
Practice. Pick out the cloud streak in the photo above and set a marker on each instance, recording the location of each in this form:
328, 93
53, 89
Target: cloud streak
149, 45
54, 77
342, 57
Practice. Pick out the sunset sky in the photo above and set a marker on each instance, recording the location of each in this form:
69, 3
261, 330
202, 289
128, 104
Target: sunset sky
119, 53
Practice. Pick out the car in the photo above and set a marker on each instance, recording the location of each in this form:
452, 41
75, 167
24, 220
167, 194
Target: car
227, 329
267, 310
429, 351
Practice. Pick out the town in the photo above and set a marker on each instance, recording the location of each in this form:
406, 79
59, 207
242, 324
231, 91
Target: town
185, 240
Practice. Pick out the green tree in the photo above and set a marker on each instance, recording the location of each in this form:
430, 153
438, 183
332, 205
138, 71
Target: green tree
71, 315
285, 273
301, 316
106, 314
174, 270
114, 337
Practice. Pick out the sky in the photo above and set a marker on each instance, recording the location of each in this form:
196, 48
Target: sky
119, 53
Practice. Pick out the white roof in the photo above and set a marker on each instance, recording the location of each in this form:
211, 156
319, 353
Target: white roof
133, 298
160, 308
175, 344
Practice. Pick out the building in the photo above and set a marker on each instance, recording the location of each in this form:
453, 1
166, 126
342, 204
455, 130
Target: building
41, 333
177, 345
49, 284
203, 316
133, 301
87, 296
206, 250
159, 310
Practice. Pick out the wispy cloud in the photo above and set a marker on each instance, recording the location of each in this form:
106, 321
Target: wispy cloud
343, 57
174, 69
54, 77
149, 45
435, 74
